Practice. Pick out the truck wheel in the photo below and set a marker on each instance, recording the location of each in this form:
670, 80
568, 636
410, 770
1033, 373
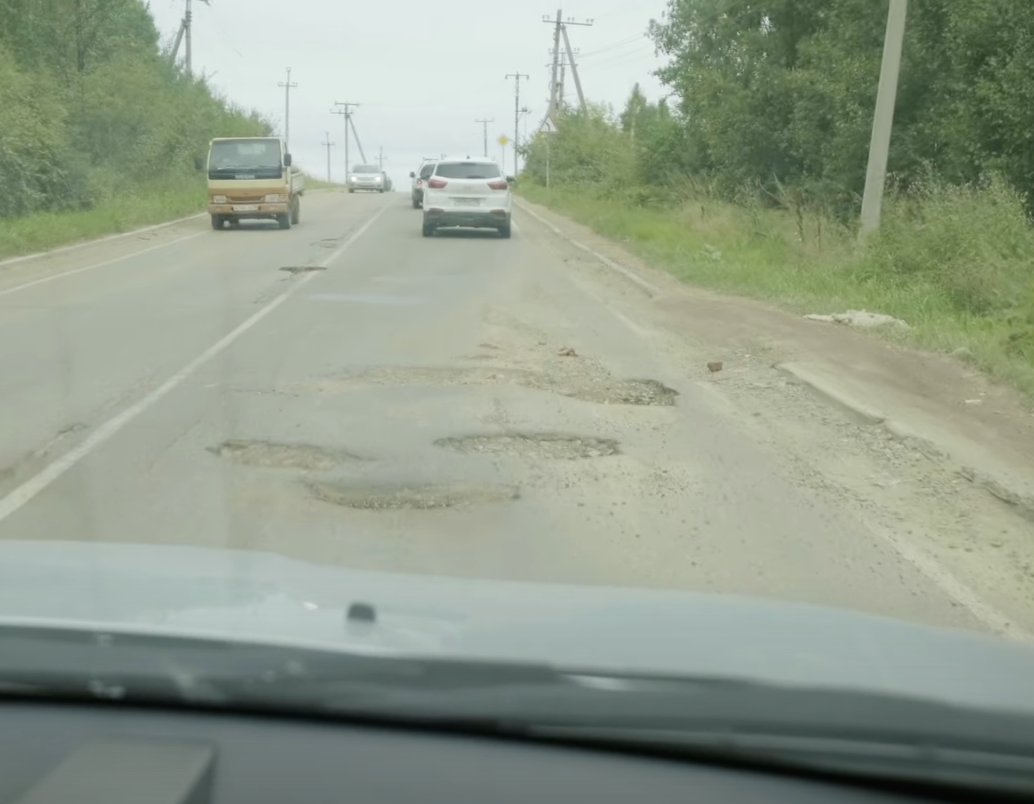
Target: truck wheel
284, 221
428, 230
296, 212
217, 222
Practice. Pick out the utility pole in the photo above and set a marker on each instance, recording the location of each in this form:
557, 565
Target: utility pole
883, 117
184, 33
516, 113
574, 68
345, 108
560, 30
287, 106
380, 158
359, 145
187, 15
484, 122
327, 143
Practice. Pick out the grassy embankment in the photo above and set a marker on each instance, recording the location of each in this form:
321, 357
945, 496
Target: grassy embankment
956, 264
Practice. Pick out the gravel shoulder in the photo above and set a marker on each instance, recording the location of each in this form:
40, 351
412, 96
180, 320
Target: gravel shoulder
921, 448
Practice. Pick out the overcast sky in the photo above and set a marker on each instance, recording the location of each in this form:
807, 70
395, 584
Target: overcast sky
421, 72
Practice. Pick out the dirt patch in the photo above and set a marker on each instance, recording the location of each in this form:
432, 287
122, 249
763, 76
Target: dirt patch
301, 269
283, 456
590, 386
394, 497
554, 446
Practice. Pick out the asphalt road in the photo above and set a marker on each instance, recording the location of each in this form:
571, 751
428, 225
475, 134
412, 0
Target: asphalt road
397, 403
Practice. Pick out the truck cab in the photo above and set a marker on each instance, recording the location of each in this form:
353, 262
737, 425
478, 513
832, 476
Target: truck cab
252, 178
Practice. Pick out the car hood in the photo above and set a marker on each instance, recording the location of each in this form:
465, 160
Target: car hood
262, 597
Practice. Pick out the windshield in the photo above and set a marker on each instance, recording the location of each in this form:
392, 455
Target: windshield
468, 170
700, 348
245, 154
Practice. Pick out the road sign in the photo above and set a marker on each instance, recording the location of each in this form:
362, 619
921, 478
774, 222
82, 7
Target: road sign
548, 126
503, 140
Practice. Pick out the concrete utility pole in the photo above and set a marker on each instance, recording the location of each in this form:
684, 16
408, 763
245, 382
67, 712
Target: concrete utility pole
516, 113
359, 145
883, 117
484, 123
287, 105
327, 143
559, 30
574, 69
184, 33
380, 158
345, 108
187, 15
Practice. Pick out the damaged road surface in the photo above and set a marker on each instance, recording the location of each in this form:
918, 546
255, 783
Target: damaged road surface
462, 406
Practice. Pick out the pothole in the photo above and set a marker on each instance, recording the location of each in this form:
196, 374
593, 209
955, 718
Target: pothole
268, 454
301, 269
600, 389
553, 446
626, 392
394, 497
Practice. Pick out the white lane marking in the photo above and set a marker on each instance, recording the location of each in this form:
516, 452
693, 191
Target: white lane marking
621, 269
86, 268
99, 240
20, 496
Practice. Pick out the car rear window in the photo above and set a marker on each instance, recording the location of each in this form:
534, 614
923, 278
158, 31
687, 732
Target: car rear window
468, 170
427, 170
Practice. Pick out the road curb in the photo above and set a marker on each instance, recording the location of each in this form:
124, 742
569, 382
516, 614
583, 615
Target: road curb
628, 273
831, 393
1003, 490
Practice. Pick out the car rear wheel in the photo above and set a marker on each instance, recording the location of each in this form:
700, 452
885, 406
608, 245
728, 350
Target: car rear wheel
504, 231
283, 221
428, 230
296, 212
217, 222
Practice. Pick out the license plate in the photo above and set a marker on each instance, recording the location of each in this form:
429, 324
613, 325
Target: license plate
467, 202
245, 207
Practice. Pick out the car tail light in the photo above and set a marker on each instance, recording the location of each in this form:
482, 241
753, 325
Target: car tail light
436, 183
498, 184
419, 182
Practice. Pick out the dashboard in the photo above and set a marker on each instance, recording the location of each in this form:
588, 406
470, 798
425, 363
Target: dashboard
55, 753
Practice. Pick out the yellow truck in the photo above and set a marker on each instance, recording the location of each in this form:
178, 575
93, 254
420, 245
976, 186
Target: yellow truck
252, 178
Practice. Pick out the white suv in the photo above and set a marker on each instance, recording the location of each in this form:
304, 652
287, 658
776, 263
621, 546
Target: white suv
467, 191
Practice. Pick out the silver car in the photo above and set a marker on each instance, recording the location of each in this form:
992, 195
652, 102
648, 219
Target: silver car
366, 177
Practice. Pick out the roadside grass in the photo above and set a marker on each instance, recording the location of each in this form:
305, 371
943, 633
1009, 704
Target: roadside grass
312, 183
956, 264
120, 213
